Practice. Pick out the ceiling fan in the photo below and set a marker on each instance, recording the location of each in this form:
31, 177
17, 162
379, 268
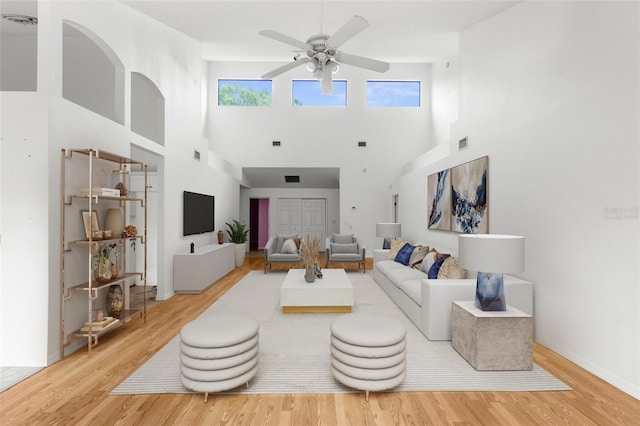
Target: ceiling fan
323, 57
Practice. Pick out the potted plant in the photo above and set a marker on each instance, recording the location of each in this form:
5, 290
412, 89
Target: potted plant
102, 267
238, 235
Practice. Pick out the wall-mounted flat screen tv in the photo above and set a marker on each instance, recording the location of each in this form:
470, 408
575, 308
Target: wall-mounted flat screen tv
197, 213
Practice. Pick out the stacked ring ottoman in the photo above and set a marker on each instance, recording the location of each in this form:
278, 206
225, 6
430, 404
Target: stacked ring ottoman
368, 352
218, 352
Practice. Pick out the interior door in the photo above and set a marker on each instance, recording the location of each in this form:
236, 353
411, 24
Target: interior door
289, 216
313, 220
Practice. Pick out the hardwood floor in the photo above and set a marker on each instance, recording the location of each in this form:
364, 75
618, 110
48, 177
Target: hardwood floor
76, 389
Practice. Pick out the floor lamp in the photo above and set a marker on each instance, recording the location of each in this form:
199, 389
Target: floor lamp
491, 255
387, 231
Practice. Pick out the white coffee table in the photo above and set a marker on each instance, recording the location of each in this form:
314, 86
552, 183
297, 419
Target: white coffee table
331, 293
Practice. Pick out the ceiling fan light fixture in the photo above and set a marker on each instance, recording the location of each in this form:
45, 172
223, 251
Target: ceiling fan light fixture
311, 66
333, 66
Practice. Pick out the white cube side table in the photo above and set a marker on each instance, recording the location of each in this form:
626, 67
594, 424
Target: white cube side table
492, 340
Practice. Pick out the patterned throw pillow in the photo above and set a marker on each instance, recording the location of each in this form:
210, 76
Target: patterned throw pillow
417, 256
280, 239
429, 259
451, 269
435, 268
404, 254
396, 245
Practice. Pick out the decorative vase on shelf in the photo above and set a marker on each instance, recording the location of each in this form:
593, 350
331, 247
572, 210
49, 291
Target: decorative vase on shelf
114, 221
220, 237
310, 274
114, 301
102, 271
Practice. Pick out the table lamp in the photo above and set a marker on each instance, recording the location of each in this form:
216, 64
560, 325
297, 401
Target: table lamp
387, 231
491, 255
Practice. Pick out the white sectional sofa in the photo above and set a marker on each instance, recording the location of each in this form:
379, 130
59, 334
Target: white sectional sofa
427, 302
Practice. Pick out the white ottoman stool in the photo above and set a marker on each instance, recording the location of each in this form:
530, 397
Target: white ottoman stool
218, 353
368, 352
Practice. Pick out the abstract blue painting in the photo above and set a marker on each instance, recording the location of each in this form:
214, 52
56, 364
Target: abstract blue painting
469, 207
439, 199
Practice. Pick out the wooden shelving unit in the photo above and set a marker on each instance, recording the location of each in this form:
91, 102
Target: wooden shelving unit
78, 169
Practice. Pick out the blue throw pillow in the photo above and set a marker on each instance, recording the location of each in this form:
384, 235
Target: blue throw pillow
435, 268
404, 254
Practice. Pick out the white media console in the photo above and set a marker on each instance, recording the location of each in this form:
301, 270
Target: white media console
195, 272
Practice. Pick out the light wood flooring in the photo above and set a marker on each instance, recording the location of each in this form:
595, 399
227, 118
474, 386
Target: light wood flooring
75, 390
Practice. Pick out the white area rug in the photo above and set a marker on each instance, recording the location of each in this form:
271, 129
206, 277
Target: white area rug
294, 349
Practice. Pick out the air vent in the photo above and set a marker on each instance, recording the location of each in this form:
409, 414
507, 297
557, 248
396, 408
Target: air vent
276, 143
462, 144
362, 143
292, 179
20, 19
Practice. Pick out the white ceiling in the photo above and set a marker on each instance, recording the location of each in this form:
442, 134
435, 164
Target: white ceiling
416, 31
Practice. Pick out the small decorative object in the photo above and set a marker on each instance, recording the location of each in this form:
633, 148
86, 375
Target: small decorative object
98, 235
317, 270
124, 192
114, 301
107, 234
491, 252
99, 314
130, 231
90, 222
102, 267
220, 237
115, 221
309, 249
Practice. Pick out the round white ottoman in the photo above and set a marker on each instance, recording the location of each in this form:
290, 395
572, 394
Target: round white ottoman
368, 352
218, 353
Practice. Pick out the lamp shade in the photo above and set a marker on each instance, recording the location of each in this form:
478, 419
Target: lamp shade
491, 252
391, 230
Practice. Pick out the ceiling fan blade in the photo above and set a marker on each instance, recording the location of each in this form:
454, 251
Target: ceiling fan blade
354, 26
327, 83
285, 39
285, 68
362, 62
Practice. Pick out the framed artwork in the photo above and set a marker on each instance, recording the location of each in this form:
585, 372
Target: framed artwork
469, 207
439, 199
457, 198
90, 222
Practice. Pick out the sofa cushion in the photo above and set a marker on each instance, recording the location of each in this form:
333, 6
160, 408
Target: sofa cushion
385, 266
404, 254
396, 245
397, 276
413, 289
284, 257
429, 259
435, 268
344, 248
417, 256
451, 269
342, 238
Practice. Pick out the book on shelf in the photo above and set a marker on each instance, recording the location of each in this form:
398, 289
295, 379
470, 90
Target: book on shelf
107, 192
100, 325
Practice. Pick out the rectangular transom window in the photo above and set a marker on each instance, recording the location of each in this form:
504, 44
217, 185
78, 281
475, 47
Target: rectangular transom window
244, 92
309, 93
393, 93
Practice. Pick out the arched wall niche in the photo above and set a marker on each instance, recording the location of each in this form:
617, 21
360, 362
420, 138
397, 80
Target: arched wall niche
147, 108
92, 74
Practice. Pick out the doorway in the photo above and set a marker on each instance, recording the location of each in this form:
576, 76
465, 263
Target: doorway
258, 223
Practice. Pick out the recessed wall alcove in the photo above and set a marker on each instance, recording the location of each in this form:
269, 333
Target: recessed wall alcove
147, 108
92, 74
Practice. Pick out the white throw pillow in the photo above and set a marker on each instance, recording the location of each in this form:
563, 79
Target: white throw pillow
289, 247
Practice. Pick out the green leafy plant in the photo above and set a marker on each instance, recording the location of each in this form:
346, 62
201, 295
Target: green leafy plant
103, 253
237, 232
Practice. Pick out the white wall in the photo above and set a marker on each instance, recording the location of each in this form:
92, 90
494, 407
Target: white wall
549, 91
326, 136
173, 62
